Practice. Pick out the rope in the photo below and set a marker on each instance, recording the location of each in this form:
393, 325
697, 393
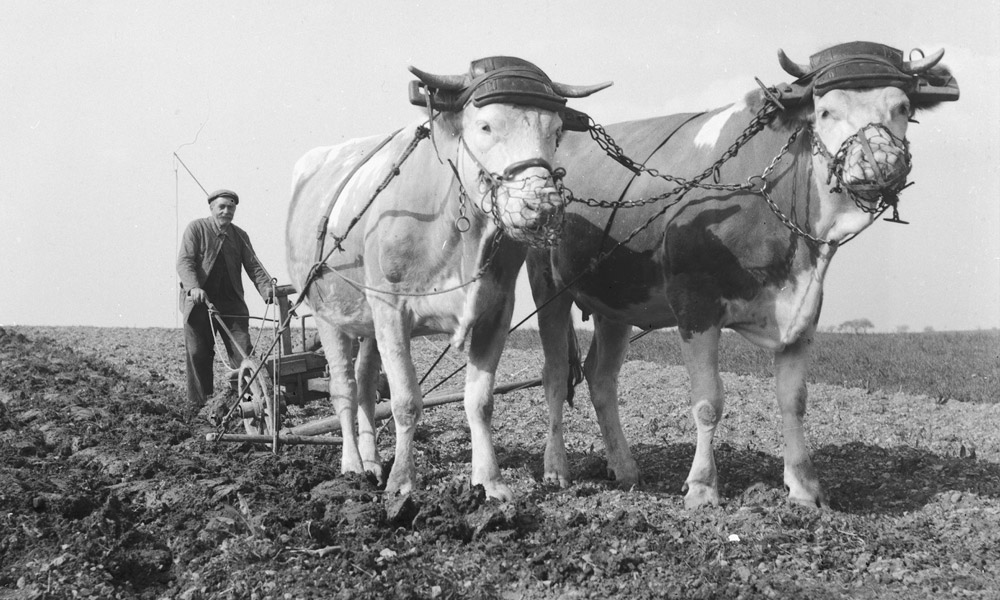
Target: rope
177, 156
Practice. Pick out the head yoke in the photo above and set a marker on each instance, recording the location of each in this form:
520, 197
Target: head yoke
865, 65
500, 79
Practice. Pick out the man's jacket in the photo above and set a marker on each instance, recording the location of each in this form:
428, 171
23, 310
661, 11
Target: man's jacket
200, 247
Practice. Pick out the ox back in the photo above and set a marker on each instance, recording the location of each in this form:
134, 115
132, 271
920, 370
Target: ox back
708, 256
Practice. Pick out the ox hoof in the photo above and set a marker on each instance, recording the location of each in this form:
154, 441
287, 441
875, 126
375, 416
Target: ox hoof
375, 470
399, 484
558, 477
400, 489
351, 467
816, 500
556, 468
699, 495
804, 488
625, 477
499, 490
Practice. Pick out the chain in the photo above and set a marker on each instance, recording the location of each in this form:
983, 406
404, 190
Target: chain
317, 269
597, 132
787, 221
462, 224
757, 184
764, 116
421, 133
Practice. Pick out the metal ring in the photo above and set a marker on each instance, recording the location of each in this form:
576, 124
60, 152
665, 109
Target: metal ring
763, 184
463, 224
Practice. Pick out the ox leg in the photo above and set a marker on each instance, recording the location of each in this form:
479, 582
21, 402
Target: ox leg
486, 344
701, 356
343, 392
366, 371
790, 366
604, 362
407, 404
554, 328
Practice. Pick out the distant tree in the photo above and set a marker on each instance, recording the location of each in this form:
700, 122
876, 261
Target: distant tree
928, 329
857, 326
902, 329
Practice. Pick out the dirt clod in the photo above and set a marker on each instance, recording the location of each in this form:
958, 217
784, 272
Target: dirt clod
107, 492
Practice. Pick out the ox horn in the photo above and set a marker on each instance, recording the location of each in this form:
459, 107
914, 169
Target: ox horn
578, 91
791, 67
441, 82
915, 67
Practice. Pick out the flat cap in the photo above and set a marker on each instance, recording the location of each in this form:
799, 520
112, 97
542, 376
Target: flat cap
224, 194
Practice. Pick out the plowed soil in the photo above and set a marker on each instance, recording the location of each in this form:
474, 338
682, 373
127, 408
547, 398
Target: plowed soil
108, 491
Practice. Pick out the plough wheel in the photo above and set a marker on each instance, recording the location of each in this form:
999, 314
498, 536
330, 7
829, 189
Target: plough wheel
256, 398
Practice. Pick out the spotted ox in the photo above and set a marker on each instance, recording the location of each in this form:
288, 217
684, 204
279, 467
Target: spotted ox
418, 238
750, 256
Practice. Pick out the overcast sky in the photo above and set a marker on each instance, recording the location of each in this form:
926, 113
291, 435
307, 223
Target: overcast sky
97, 96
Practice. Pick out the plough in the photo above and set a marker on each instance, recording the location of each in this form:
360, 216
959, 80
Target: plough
283, 377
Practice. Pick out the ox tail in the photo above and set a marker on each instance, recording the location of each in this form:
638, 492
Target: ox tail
575, 365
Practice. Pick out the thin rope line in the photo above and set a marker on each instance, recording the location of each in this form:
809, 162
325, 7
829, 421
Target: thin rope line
177, 233
177, 156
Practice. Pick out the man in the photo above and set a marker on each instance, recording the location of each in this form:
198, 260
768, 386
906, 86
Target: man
213, 253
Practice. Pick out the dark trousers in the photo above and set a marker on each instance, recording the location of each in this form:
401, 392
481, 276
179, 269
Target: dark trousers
200, 345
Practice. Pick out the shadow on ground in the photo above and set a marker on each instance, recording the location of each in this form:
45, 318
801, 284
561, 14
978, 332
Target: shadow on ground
859, 478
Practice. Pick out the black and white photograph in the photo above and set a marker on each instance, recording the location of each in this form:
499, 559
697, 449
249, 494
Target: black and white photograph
519, 300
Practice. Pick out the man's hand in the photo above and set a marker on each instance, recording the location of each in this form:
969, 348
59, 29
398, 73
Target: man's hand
198, 296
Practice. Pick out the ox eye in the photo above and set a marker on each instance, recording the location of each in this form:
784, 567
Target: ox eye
824, 113
485, 127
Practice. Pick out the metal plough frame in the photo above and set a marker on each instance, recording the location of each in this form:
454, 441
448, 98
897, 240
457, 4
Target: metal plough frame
263, 385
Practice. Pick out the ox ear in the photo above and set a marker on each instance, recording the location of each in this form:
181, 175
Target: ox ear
443, 100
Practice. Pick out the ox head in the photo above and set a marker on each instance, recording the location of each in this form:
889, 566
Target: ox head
864, 95
507, 117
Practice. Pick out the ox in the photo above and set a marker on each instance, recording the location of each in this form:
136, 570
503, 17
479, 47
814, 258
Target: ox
685, 252
417, 239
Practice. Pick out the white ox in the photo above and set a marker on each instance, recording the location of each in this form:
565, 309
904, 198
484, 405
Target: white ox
705, 259
436, 249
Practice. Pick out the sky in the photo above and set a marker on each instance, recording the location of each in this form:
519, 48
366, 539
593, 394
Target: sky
98, 96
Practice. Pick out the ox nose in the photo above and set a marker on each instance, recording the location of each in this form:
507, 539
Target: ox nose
531, 202
514, 169
876, 161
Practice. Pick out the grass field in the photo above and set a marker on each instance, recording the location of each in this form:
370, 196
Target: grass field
959, 365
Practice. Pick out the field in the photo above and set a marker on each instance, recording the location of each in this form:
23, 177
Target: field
106, 491
961, 366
